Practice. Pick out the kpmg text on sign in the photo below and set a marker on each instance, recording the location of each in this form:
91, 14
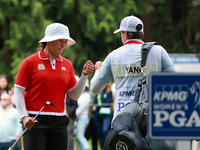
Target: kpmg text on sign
174, 110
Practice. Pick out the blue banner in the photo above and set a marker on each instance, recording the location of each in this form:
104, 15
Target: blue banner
185, 59
174, 106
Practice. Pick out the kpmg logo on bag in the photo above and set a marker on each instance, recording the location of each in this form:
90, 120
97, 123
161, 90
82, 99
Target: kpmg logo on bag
174, 106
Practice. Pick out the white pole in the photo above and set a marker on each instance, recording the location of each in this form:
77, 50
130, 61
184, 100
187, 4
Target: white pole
183, 145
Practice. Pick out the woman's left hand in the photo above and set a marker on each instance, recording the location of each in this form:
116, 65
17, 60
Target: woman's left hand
88, 68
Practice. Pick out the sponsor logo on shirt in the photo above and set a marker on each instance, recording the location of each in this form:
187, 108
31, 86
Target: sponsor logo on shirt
63, 68
125, 97
41, 67
127, 93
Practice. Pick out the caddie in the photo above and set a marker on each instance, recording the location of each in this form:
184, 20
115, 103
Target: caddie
123, 65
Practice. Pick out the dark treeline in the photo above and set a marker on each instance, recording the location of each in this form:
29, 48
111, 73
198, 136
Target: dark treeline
174, 24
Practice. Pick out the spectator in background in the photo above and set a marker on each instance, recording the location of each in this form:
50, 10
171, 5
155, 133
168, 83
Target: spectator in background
82, 118
10, 127
12, 96
102, 118
91, 132
71, 106
4, 85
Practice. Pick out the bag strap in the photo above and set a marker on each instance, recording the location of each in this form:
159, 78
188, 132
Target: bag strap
146, 47
142, 79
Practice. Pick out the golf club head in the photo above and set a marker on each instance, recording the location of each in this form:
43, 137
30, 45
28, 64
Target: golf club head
49, 103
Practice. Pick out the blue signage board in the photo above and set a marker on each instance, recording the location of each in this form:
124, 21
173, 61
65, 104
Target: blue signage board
174, 106
184, 59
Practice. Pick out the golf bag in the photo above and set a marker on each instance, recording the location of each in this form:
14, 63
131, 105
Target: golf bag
130, 125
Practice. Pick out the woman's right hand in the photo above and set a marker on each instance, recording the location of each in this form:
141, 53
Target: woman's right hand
29, 122
88, 68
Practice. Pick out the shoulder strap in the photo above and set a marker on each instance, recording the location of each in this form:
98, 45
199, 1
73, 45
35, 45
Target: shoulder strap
142, 80
146, 47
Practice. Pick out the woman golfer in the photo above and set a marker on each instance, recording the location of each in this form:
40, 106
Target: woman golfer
47, 76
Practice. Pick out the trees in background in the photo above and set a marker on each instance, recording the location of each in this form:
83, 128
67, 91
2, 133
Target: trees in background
175, 25
21, 23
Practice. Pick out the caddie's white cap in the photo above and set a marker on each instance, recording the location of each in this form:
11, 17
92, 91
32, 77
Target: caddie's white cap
129, 24
57, 31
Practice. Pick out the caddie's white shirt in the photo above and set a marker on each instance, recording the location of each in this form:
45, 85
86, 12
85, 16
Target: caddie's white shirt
123, 64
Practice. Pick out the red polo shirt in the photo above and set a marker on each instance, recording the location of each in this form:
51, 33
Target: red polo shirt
45, 81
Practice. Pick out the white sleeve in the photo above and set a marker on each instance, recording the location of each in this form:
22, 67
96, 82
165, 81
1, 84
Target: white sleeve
77, 90
95, 85
19, 101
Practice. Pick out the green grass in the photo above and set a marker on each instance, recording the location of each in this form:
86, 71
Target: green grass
75, 144
90, 142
